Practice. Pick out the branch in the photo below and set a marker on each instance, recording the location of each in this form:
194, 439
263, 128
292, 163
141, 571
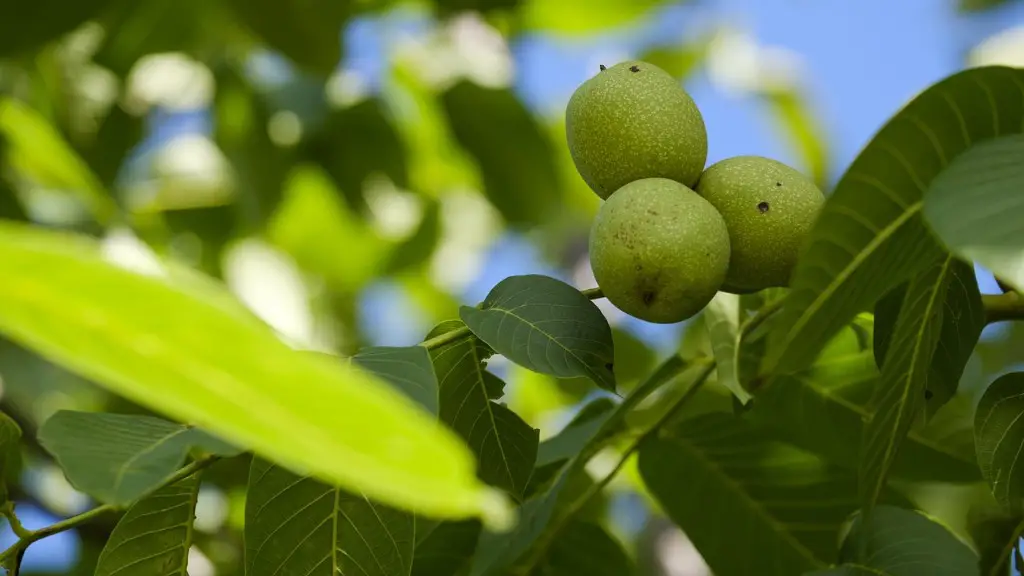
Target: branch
27, 537
1003, 307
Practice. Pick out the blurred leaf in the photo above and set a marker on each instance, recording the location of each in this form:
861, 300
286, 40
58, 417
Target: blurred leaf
408, 369
419, 247
903, 543
358, 142
870, 236
783, 503
10, 448
545, 325
995, 536
296, 526
38, 149
723, 317
118, 133
904, 375
306, 31
576, 434
999, 435
962, 322
443, 548
979, 5
155, 535
163, 347
792, 112
153, 27
599, 15
117, 458
505, 445
28, 25
679, 61
973, 204
586, 549
455, 6
515, 156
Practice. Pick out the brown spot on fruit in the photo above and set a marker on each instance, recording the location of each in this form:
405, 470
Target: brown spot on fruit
634, 68
603, 67
648, 297
763, 207
778, 184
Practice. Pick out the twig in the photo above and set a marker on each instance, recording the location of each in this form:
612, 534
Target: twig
1003, 307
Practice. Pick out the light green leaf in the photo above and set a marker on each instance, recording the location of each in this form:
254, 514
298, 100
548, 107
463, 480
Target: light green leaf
586, 549
999, 438
600, 15
870, 235
444, 548
901, 386
975, 203
962, 322
155, 535
567, 443
723, 317
37, 149
547, 326
505, 445
786, 505
407, 368
900, 542
192, 359
679, 61
116, 458
297, 526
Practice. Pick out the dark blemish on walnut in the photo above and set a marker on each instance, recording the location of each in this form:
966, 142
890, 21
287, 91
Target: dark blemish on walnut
928, 394
639, 267
763, 207
778, 184
603, 67
634, 68
648, 297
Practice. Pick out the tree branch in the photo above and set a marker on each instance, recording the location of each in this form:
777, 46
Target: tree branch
1003, 307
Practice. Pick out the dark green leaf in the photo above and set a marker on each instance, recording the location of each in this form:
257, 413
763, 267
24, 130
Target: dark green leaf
545, 325
783, 503
974, 204
443, 548
901, 386
979, 5
154, 27
999, 437
505, 445
962, 322
586, 549
870, 236
117, 458
155, 535
723, 317
519, 173
407, 368
29, 25
306, 31
902, 542
296, 526
995, 535
10, 449
117, 135
567, 443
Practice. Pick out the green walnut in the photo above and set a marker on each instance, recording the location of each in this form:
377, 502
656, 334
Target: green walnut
769, 209
658, 250
634, 121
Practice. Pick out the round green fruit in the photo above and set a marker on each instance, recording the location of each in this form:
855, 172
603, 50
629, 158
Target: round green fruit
634, 121
658, 250
769, 209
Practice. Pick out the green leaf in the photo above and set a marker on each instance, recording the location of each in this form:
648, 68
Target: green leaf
38, 149
979, 5
901, 542
420, 245
10, 448
901, 386
996, 535
155, 535
723, 317
962, 322
576, 434
29, 25
443, 548
296, 526
408, 369
586, 549
783, 503
679, 61
547, 326
520, 176
505, 445
870, 236
600, 15
999, 438
306, 31
972, 205
164, 347
116, 458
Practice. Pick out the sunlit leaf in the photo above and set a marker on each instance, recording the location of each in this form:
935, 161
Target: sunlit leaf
36, 148
962, 322
999, 437
870, 236
155, 535
505, 445
679, 61
586, 549
798, 123
723, 317
518, 169
118, 457
191, 357
545, 325
29, 25
563, 18
901, 386
407, 368
973, 206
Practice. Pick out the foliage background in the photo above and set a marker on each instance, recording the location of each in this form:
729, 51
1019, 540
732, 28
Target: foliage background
359, 200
